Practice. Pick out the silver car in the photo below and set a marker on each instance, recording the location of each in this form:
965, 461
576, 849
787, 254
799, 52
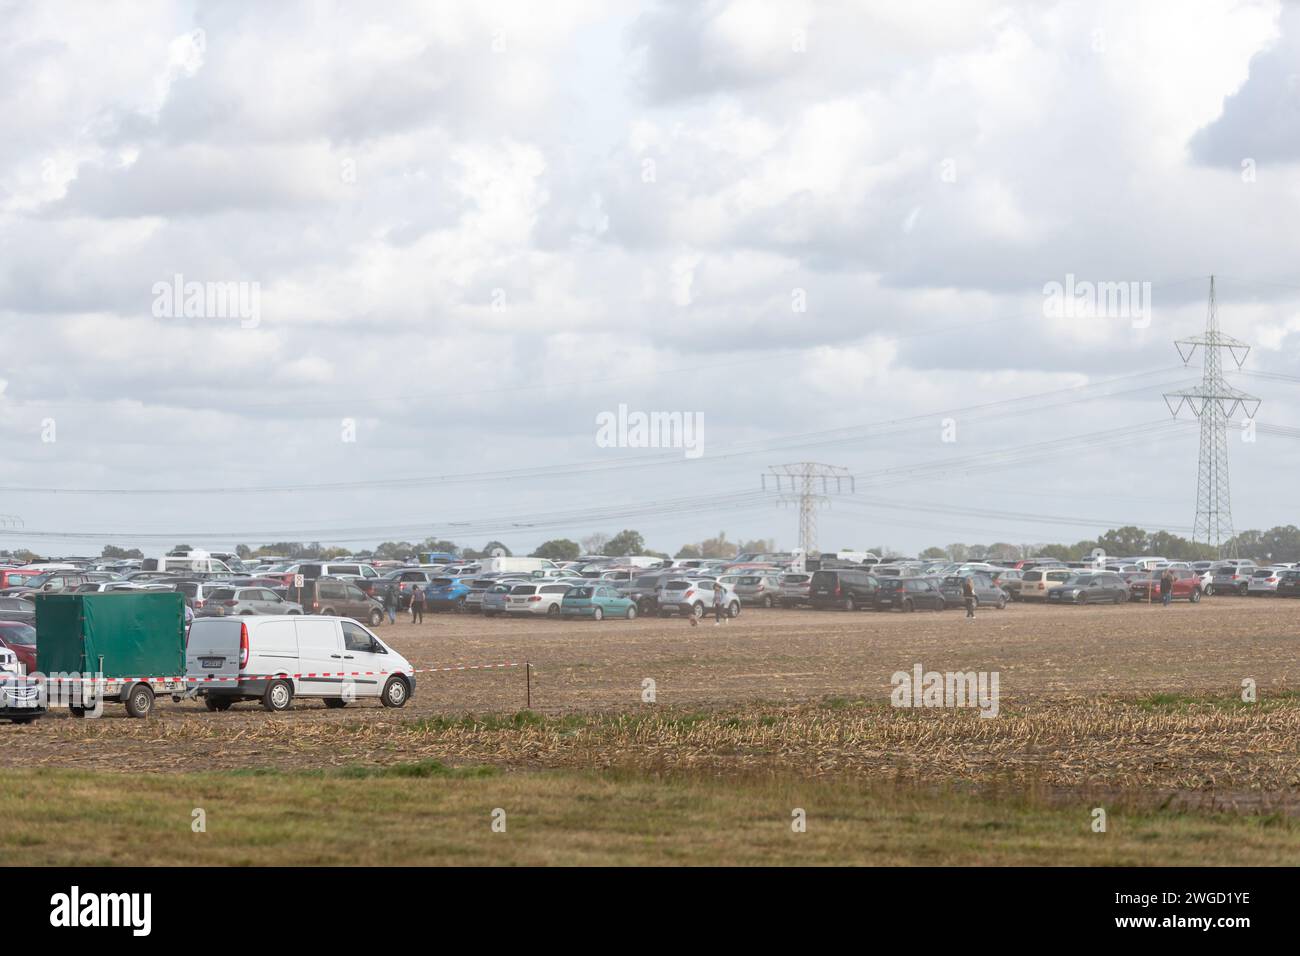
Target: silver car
796, 589
225, 602
761, 590
542, 599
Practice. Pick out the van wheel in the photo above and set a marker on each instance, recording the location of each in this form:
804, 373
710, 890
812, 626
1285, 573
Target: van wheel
335, 703
278, 696
376, 617
597, 614
631, 612
849, 605
396, 692
77, 711
140, 701
217, 704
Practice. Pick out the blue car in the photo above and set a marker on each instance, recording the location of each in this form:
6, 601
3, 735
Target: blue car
446, 594
597, 601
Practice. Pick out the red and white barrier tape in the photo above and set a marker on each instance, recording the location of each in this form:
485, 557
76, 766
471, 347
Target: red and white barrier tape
216, 679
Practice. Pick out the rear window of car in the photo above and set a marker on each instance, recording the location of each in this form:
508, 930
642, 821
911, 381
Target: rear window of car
442, 582
1033, 576
796, 578
677, 585
481, 585
524, 589
222, 594
748, 580
1263, 573
554, 589
824, 579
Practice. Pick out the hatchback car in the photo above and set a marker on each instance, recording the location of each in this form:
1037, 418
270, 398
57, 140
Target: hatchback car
1263, 581
17, 609
1035, 584
542, 599
1288, 584
694, 596
1145, 585
760, 590
447, 594
910, 594
1104, 588
796, 589
597, 601
987, 594
1232, 579
21, 639
844, 589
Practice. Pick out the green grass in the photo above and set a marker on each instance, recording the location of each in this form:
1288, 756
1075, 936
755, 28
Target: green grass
431, 813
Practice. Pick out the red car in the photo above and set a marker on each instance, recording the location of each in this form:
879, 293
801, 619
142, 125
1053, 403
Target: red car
21, 639
1187, 586
15, 577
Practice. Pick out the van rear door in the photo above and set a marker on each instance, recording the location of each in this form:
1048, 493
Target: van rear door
320, 652
212, 650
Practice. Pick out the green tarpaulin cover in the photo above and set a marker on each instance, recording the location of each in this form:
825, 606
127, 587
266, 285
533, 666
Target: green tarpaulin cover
138, 634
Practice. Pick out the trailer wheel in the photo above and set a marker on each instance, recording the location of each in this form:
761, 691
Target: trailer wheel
22, 720
335, 703
278, 696
76, 710
139, 703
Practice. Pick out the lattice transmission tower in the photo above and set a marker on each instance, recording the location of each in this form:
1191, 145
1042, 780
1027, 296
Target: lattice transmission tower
809, 485
1214, 402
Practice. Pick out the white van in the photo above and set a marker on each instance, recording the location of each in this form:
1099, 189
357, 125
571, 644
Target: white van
186, 562
525, 565
274, 658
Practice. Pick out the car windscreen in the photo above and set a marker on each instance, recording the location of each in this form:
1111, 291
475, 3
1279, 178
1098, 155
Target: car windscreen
13, 633
583, 592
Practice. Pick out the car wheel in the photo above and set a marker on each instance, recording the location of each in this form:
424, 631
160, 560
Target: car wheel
698, 609
278, 696
140, 701
1243, 590
908, 606
1002, 603
1195, 596
553, 611
376, 617
327, 612
396, 693
767, 601
335, 703
597, 614
1119, 599
631, 612
217, 704
733, 611
849, 605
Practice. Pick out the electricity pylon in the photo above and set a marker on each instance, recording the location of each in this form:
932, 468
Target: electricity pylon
1214, 402
809, 485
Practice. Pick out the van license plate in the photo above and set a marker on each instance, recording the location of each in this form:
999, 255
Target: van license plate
212, 661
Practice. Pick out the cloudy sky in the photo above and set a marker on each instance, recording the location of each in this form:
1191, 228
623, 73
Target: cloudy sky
470, 229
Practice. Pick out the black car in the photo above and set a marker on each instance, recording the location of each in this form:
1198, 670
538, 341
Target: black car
1104, 588
910, 594
844, 589
17, 609
987, 593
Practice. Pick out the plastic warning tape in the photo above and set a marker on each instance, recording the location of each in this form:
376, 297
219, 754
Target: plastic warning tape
217, 679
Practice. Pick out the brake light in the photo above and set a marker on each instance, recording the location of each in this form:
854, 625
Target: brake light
243, 645
315, 605
230, 603
535, 597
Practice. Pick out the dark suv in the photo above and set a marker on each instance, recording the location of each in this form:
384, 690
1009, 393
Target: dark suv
842, 588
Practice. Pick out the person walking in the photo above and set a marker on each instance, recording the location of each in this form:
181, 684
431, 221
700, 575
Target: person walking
417, 604
718, 595
1167, 587
968, 596
390, 602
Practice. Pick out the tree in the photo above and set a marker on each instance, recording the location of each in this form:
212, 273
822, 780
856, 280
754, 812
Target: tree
595, 543
437, 544
757, 546
394, 550
1001, 551
957, 552
624, 543
557, 549
718, 547
689, 551
1121, 542
934, 554
243, 551
112, 552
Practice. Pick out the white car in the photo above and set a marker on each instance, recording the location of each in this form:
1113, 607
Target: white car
1264, 580
275, 658
694, 596
541, 598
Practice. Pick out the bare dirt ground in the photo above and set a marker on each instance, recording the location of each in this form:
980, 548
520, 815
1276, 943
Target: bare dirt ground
1120, 697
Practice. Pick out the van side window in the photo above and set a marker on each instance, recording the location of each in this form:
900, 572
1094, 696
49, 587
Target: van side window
355, 638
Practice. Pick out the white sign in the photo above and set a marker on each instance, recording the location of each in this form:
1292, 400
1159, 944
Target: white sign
297, 580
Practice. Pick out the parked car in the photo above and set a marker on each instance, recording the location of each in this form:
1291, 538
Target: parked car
15, 577
987, 594
1263, 581
796, 589
644, 590
1232, 578
17, 608
596, 601
1009, 580
275, 658
541, 598
843, 588
1035, 583
496, 599
21, 639
232, 602
446, 594
405, 579
1090, 588
20, 698
694, 596
910, 594
52, 582
761, 590
476, 588
334, 597
1288, 584
1145, 586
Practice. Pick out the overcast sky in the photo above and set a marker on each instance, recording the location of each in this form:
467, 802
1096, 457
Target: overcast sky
473, 228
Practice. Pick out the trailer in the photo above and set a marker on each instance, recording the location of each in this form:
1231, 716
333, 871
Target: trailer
117, 646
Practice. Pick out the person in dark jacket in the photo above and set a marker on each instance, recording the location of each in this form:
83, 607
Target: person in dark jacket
391, 600
968, 596
1167, 587
417, 604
